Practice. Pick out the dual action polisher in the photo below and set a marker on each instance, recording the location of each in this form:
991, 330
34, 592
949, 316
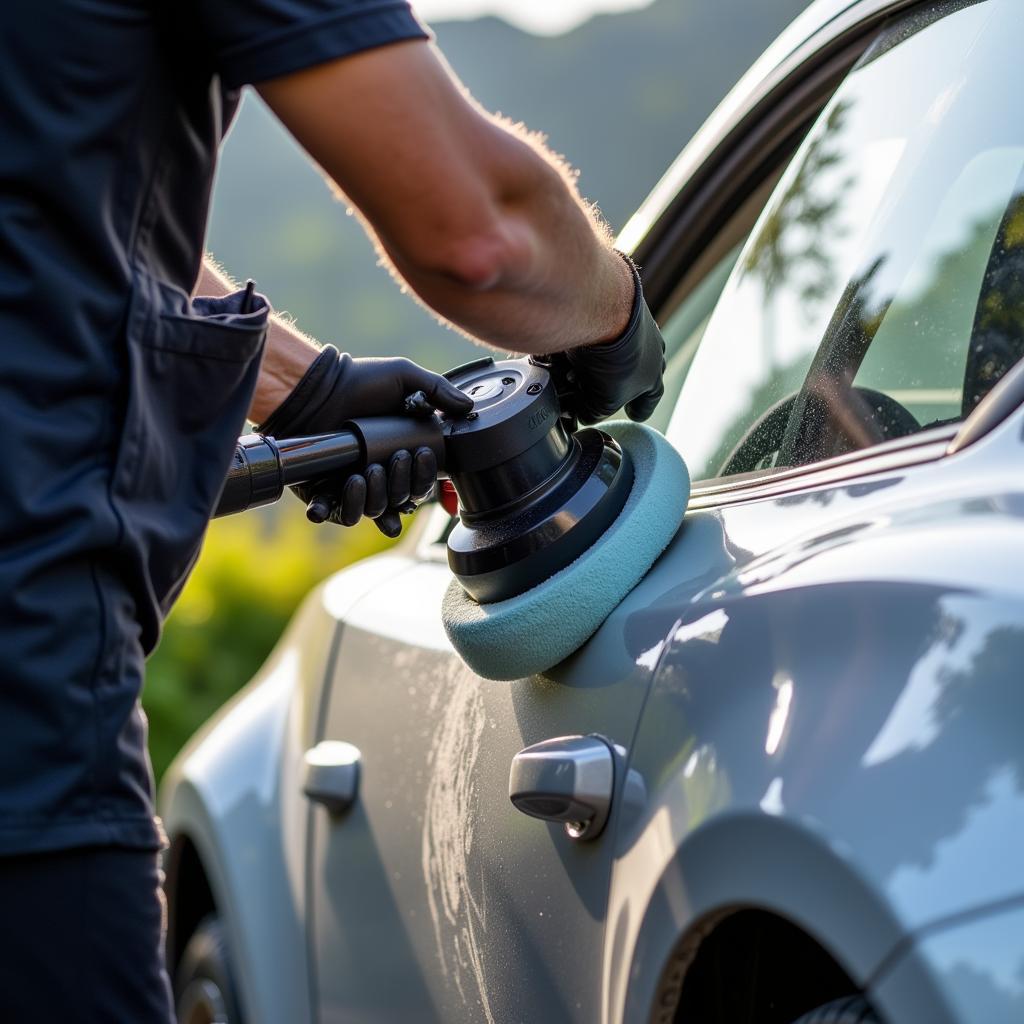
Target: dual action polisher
555, 524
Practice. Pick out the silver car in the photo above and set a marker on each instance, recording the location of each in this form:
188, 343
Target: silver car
805, 725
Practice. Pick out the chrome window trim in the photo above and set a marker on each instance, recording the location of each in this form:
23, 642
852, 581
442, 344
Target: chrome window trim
998, 405
925, 446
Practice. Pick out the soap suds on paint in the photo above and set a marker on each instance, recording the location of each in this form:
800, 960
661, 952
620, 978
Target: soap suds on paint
458, 913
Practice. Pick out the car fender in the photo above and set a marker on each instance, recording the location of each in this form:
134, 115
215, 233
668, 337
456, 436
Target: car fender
832, 736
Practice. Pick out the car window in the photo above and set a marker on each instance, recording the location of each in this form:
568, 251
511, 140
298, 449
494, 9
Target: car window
881, 291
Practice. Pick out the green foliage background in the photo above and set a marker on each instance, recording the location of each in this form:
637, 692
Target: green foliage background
619, 97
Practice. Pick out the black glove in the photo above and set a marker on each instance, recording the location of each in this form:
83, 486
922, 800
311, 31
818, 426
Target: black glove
337, 388
625, 372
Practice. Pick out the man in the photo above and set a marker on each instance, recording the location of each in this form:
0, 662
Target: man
122, 395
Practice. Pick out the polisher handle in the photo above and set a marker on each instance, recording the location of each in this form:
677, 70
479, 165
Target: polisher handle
379, 437
263, 466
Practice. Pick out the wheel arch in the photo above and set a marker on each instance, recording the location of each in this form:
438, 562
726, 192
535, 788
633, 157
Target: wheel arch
795, 876
792, 971
189, 897
242, 872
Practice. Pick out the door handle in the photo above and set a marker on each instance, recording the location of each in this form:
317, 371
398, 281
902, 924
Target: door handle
331, 775
569, 779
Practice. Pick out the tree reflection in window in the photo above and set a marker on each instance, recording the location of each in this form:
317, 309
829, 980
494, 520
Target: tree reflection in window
882, 290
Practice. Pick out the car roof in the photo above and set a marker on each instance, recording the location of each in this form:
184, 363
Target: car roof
817, 28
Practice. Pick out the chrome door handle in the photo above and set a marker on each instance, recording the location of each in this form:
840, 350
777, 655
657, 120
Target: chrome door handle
569, 779
331, 775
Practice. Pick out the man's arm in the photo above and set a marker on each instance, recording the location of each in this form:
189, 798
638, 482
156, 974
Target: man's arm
481, 222
287, 356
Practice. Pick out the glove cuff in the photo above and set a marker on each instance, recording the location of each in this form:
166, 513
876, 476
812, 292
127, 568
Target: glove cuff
299, 412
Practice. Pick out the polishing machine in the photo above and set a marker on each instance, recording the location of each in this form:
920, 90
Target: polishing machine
534, 492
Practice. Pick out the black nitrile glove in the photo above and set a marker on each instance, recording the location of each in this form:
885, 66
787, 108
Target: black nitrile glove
337, 388
625, 372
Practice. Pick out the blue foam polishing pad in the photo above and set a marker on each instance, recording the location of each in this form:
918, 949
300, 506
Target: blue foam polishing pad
534, 631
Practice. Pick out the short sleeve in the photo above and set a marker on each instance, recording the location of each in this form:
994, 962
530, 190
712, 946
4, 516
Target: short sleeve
253, 40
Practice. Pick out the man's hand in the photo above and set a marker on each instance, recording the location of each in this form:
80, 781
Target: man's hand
305, 391
337, 388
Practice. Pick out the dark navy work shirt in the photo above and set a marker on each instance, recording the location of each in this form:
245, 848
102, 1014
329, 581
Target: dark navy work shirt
120, 397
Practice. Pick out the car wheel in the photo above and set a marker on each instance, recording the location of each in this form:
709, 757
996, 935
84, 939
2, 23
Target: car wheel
204, 990
851, 1010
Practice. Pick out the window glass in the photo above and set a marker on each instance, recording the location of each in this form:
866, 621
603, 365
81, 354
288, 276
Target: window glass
684, 331
881, 291
694, 298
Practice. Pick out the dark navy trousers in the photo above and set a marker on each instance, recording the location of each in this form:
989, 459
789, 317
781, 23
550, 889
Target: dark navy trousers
81, 938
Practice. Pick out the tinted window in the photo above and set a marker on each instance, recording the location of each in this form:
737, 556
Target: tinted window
881, 291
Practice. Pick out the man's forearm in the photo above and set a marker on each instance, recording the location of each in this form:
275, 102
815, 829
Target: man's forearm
287, 356
558, 283
482, 222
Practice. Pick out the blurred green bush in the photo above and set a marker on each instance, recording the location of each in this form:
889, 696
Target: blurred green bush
253, 572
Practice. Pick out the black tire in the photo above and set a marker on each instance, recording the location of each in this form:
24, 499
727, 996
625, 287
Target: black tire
204, 989
851, 1010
